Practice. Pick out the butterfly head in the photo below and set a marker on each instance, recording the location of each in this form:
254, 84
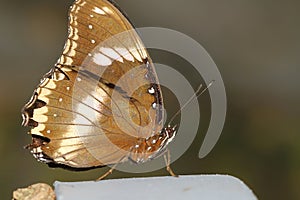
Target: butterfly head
168, 134
152, 147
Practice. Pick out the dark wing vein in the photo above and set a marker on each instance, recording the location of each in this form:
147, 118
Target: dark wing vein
111, 100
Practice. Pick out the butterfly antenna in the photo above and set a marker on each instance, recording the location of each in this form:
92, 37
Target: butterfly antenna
195, 95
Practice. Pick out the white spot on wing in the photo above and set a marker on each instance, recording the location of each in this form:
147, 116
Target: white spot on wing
39, 115
111, 53
136, 54
125, 54
82, 3
73, 32
154, 105
151, 90
101, 59
87, 116
37, 130
108, 10
99, 11
41, 111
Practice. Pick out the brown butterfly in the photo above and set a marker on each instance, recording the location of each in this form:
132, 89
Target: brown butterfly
78, 119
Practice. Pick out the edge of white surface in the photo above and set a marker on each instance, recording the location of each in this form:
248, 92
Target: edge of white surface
209, 187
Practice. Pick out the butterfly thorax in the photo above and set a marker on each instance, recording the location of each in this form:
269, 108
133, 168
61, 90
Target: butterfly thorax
153, 146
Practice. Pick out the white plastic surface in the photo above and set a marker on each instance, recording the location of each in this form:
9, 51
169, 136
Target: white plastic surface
207, 187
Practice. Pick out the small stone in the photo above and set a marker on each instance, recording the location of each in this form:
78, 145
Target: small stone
35, 192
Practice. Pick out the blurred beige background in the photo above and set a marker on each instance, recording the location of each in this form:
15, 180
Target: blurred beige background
256, 46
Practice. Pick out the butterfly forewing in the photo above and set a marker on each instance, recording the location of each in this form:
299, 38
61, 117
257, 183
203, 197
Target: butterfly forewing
102, 41
92, 108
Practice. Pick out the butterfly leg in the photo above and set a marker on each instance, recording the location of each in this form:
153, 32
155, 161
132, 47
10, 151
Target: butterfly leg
167, 158
107, 173
111, 169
